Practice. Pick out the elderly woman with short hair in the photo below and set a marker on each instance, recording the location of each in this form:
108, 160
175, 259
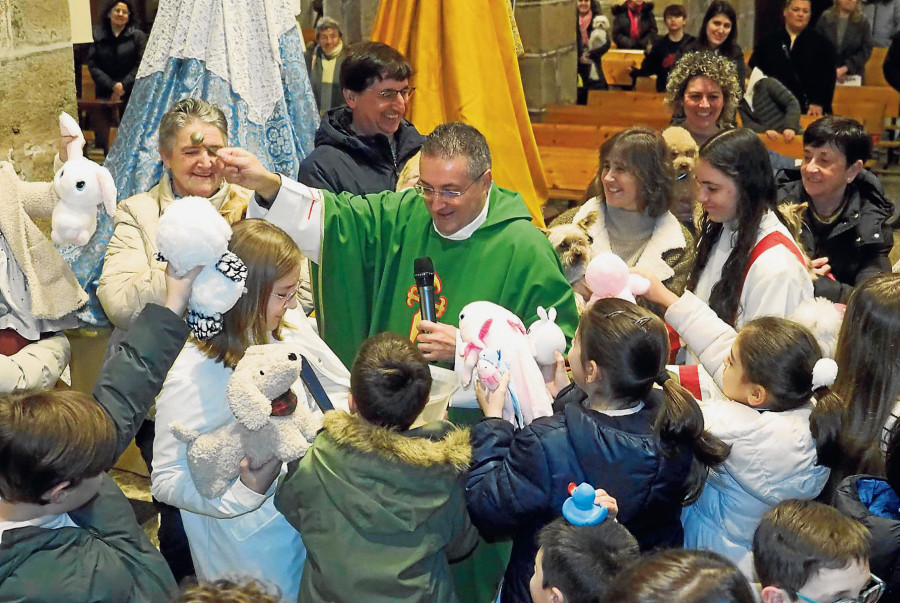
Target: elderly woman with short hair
132, 277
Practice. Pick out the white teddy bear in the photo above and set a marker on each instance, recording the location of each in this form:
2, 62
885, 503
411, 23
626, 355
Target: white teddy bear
259, 388
191, 233
82, 185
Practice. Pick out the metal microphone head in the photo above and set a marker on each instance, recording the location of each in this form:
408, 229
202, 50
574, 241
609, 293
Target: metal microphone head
423, 271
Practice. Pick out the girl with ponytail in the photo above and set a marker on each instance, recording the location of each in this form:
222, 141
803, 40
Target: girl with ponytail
771, 374
645, 445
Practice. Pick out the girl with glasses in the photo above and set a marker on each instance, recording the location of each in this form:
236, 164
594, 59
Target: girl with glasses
241, 532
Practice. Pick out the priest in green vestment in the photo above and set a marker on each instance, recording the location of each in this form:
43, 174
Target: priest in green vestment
479, 236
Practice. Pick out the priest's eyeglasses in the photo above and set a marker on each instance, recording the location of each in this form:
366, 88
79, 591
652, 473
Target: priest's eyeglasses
389, 94
429, 193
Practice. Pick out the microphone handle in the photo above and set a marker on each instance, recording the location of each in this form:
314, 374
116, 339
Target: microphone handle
426, 303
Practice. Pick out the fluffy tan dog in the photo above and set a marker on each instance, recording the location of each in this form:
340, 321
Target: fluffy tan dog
572, 244
682, 153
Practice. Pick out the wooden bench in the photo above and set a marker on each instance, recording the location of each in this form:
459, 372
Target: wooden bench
617, 65
590, 116
569, 153
572, 135
874, 74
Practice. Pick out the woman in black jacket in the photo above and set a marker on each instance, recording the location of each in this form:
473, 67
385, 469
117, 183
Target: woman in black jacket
634, 24
845, 229
113, 61
589, 59
718, 34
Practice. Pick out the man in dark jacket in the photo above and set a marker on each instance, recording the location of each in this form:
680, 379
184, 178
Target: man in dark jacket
800, 58
361, 148
66, 530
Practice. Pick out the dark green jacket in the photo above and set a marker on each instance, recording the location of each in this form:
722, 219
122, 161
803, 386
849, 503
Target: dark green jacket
381, 513
107, 557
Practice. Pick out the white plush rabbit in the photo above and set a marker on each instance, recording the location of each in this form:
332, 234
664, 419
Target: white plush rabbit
82, 185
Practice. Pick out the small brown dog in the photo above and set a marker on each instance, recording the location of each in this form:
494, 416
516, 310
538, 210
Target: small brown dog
682, 153
572, 244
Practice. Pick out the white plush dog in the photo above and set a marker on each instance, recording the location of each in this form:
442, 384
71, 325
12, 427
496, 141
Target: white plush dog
265, 374
82, 185
191, 233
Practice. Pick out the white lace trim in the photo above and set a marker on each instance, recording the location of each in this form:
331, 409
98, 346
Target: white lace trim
237, 40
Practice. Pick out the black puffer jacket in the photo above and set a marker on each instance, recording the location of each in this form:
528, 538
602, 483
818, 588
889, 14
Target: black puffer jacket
858, 242
346, 161
519, 479
621, 27
871, 501
114, 59
806, 68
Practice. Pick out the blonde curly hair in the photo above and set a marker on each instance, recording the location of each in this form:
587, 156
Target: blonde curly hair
710, 65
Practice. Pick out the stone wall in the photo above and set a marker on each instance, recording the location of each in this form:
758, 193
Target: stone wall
547, 28
355, 16
36, 82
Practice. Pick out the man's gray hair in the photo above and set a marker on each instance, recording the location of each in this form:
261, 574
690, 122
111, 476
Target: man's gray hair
185, 112
328, 23
456, 139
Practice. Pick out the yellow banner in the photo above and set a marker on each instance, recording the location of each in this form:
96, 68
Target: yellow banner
464, 56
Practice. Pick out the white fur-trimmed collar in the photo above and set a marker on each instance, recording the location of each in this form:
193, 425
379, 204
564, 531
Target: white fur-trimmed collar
667, 236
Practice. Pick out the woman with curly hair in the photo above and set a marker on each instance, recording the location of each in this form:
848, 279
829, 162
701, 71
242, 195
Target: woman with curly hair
748, 264
703, 93
630, 216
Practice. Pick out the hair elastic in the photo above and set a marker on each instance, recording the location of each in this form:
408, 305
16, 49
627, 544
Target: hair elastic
662, 378
824, 373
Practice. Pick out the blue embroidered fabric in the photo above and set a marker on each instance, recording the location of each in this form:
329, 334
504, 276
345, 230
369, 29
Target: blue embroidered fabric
280, 143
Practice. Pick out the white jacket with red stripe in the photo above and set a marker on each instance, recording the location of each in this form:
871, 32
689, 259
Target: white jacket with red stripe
773, 454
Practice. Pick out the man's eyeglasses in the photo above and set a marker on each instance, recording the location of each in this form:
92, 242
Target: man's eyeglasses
428, 192
871, 593
287, 297
389, 94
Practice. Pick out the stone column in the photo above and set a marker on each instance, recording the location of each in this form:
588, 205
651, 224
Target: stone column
36, 82
547, 28
355, 16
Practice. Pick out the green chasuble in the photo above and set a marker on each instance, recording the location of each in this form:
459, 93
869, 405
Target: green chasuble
365, 283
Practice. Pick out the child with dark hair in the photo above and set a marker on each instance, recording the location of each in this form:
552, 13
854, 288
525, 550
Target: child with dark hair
662, 55
685, 576
68, 532
575, 564
768, 374
647, 446
875, 502
389, 494
806, 551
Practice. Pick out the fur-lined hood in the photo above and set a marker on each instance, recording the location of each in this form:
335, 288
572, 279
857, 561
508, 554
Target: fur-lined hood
379, 481
417, 447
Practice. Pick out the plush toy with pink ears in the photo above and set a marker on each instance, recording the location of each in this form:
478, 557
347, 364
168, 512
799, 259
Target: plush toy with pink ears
608, 276
82, 185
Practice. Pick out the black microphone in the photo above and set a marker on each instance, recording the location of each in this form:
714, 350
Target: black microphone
423, 271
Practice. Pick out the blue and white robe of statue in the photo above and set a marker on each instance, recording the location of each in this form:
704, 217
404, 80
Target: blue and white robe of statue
244, 56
